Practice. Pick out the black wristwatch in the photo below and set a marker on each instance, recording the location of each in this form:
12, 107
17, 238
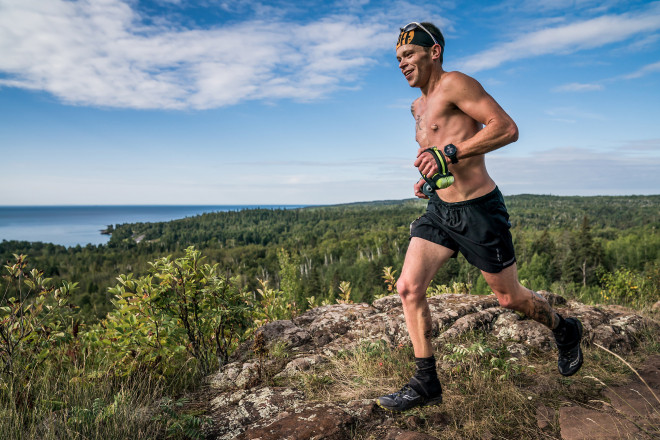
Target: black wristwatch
450, 152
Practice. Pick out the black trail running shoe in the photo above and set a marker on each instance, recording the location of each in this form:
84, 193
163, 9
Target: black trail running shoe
407, 398
570, 353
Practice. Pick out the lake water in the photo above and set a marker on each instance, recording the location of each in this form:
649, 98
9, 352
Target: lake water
82, 225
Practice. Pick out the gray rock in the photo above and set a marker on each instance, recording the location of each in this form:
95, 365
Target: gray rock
510, 327
299, 364
243, 408
518, 350
238, 411
284, 332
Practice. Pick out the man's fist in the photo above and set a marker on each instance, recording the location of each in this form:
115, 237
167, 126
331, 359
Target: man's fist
418, 189
439, 179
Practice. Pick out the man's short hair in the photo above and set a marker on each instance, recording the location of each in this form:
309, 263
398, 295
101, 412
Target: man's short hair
433, 29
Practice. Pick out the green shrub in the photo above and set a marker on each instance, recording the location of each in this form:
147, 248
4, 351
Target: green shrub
183, 309
630, 288
34, 319
274, 305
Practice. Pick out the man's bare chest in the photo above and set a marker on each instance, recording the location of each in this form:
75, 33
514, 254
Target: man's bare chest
431, 116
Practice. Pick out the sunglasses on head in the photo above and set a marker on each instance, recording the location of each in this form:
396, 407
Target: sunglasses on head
414, 25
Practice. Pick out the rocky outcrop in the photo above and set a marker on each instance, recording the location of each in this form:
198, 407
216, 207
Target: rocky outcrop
243, 408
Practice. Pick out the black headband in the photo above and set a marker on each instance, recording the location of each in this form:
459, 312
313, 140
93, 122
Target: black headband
415, 36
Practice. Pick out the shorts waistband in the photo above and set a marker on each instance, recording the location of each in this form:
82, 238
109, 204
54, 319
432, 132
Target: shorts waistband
495, 193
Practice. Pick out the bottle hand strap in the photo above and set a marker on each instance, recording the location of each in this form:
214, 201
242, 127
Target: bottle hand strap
439, 159
440, 180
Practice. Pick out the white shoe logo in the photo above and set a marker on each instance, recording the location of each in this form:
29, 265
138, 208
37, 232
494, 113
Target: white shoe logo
576, 361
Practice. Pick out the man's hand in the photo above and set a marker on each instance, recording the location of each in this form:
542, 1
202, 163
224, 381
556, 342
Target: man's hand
441, 179
418, 189
425, 163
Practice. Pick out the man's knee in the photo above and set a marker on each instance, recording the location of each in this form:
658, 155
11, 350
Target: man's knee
410, 290
512, 300
507, 301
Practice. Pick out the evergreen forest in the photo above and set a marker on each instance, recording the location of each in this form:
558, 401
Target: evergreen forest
603, 249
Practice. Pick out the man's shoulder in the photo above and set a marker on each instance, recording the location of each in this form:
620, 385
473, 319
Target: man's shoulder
455, 77
456, 85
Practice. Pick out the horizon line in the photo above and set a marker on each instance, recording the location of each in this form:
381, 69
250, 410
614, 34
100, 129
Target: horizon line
71, 205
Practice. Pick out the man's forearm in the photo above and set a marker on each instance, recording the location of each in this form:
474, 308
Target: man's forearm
494, 135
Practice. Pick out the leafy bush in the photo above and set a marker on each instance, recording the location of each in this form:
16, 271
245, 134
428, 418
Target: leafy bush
345, 295
627, 287
183, 309
34, 318
442, 289
274, 304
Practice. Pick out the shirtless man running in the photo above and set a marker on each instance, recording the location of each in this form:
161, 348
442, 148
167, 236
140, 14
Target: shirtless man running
456, 115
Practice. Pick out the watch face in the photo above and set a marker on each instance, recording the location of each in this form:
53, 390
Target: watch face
450, 150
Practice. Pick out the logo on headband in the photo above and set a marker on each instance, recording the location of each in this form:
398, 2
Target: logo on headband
420, 38
405, 38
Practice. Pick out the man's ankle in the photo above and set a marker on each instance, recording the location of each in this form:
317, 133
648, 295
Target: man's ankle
425, 381
566, 332
561, 325
427, 388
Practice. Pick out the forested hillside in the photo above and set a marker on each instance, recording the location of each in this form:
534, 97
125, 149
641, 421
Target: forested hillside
122, 330
580, 246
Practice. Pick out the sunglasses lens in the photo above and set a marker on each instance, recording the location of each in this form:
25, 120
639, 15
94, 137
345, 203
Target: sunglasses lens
409, 27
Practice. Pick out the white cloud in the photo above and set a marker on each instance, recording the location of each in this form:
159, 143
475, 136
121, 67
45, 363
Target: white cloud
580, 171
99, 52
649, 68
578, 87
568, 38
534, 6
644, 145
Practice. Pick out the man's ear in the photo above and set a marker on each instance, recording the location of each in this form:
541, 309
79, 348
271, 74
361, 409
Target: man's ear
436, 52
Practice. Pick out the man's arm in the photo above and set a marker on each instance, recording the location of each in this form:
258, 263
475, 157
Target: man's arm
471, 98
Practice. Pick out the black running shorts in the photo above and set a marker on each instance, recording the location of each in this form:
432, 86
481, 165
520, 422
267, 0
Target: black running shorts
477, 228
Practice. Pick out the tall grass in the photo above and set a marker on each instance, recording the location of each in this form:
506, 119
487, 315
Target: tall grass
57, 403
59, 400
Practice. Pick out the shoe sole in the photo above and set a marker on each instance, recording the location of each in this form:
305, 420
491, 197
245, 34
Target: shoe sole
580, 356
431, 402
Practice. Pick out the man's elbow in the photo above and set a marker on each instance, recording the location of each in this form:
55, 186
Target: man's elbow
511, 132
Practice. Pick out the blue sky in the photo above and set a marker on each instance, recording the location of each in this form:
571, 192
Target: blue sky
283, 102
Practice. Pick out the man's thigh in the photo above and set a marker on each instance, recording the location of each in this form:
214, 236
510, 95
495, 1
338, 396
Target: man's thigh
423, 260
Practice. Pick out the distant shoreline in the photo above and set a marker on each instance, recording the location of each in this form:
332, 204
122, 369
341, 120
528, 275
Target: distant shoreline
72, 225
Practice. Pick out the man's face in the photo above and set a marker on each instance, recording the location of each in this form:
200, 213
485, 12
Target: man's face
415, 63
